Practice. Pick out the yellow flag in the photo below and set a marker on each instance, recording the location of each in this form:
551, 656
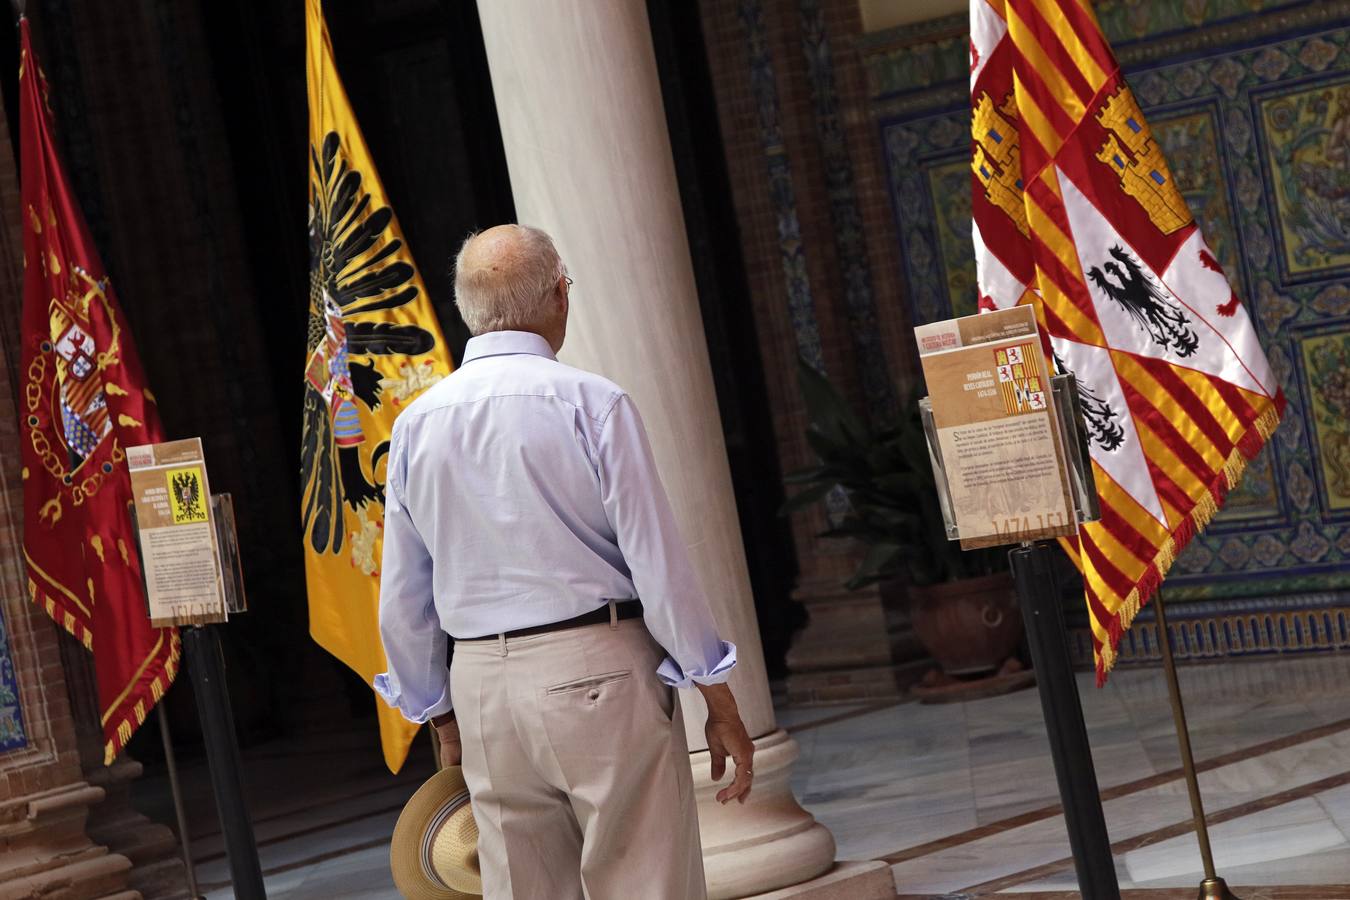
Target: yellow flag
373, 345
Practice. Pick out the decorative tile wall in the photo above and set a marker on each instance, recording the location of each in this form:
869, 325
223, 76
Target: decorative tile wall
12, 735
1251, 102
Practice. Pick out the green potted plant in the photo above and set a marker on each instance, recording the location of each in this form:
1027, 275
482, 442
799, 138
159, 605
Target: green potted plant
962, 605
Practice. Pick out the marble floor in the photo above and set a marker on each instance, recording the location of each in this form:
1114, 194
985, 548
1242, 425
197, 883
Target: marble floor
961, 799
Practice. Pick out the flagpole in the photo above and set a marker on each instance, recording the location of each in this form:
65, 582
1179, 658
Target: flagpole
1213, 887
171, 764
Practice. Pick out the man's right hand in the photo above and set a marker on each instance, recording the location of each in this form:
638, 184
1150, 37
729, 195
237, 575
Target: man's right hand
727, 737
447, 736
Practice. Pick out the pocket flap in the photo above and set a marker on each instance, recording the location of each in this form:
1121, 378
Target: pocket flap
590, 681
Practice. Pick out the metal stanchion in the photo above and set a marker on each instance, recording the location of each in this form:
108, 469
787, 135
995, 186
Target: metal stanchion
171, 764
206, 663
1213, 887
1038, 595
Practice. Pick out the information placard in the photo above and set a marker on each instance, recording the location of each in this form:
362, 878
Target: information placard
997, 439
178, 536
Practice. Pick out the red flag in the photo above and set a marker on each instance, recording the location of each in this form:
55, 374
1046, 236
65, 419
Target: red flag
1075, 210
83, 400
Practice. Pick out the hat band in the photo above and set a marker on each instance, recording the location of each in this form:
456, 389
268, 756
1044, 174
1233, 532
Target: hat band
433, 828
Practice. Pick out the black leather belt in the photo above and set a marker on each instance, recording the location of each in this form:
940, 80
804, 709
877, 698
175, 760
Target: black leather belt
623, 609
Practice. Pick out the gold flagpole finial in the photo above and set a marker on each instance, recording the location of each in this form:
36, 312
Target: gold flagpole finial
18, 7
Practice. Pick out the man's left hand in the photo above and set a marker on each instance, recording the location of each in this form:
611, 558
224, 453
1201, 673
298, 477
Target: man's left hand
447, 737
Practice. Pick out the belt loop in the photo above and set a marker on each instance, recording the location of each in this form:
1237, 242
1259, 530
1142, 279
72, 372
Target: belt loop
501, 643
613, 616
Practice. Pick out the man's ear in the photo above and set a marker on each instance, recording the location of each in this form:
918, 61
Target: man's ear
564, 303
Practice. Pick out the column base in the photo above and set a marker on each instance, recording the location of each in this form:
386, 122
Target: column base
857, 646
768, 843
870, 880
44, 851
157, 866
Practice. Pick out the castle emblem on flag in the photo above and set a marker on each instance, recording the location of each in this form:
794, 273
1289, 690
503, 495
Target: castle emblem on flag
1139, 162
997, 160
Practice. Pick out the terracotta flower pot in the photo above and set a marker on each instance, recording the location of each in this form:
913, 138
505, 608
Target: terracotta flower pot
970, 626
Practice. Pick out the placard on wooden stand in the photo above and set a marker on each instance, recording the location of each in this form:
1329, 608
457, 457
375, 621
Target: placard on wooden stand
1002, 434
193, 579
175, 520
1012, 467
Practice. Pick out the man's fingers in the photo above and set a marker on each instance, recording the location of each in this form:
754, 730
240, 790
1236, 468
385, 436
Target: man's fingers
739, 789
719, 766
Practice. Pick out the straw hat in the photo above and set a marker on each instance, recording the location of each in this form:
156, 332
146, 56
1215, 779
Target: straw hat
434, 853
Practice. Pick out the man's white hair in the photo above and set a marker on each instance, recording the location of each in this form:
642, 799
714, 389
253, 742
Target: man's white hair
509, 285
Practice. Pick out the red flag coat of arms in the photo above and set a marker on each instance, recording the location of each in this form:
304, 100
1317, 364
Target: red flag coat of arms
83, 400
1075, 210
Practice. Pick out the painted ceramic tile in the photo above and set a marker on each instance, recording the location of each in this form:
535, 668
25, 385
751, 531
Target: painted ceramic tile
1191, 145
12, 735
1123, 20
1307, 137
1326, 363
949, 190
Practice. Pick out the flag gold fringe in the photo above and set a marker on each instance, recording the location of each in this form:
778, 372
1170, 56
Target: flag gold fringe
125, 728
1204, 511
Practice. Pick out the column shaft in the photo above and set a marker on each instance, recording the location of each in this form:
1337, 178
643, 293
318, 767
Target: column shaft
588, 150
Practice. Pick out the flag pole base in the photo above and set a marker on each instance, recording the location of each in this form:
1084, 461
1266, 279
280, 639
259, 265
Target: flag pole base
1215, 889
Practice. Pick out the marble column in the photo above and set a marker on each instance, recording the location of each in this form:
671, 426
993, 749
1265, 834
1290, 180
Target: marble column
589, 155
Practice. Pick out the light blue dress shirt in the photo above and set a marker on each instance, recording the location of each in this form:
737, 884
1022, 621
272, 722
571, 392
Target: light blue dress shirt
522, 492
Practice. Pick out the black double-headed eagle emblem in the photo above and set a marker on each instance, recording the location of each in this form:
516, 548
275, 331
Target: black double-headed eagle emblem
356, 269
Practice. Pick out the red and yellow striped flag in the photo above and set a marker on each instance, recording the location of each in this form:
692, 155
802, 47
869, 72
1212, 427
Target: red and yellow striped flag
1074, 207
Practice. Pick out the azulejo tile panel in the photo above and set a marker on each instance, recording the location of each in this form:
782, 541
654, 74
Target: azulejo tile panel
12, 734
1307, 138
1253, 112
1326, 371
1297, 624
846, 216
949, 195
801, 307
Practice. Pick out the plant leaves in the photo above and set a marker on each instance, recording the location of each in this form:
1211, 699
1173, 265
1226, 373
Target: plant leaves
807, 497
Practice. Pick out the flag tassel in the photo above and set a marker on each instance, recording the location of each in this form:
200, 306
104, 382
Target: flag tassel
1206, 508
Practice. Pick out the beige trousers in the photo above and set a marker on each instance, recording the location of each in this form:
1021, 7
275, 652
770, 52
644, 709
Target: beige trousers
577, 766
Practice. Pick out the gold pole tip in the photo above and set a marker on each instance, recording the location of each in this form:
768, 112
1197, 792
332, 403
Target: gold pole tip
1215, 889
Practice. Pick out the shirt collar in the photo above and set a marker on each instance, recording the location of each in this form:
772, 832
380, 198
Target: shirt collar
504, 343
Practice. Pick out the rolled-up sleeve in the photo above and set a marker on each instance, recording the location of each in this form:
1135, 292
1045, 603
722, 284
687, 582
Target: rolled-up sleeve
415, 646
673, 605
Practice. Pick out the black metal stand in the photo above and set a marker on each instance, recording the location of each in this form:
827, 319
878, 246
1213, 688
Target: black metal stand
206, 664
1038, 595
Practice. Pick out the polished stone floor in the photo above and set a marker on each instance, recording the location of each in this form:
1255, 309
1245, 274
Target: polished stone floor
961, 799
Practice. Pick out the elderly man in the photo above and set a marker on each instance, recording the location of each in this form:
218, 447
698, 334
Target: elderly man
525, 518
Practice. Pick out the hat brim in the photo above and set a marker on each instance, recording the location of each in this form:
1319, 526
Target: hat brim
406, 846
